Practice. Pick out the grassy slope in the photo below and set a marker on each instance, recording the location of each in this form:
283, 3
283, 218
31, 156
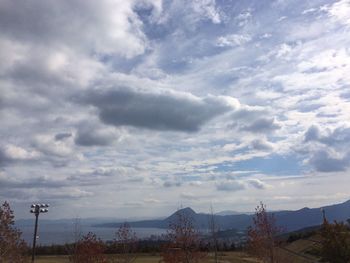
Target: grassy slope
295, 252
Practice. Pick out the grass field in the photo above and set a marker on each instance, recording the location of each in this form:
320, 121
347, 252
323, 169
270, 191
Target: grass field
227, 257
294, 252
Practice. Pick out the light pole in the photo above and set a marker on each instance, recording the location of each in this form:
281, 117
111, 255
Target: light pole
36, 210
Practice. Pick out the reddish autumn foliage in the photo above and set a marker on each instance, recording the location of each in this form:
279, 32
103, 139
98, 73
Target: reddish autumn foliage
12, 247
89, 249
262, 235
183, 246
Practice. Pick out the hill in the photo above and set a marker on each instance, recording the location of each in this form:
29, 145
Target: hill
288, 220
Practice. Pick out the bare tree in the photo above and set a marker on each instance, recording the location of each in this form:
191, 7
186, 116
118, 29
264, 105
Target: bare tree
71, 249
126, 243
183, 246
214, 229
89, 249
262, 235
12, 247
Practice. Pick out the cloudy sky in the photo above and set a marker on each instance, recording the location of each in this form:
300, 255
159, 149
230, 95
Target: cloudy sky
134, 108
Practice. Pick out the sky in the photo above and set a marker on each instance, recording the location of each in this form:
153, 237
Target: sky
135, 108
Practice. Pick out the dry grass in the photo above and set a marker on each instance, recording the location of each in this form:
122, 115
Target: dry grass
51, 259
227, 257
292, 253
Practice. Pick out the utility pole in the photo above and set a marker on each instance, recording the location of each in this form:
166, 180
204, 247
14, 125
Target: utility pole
36, 210
324, 214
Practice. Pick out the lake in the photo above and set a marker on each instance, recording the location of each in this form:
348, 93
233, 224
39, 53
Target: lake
64, 233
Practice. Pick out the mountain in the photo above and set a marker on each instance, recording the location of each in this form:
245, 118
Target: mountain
231, 212
200, 220
288, 220
294, 220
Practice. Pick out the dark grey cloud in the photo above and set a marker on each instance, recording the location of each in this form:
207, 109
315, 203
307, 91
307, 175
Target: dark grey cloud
90, 178
324, 162
254, 120
166, 110
261, 126
101, 175
34, 182
62, 136
312, 134
15, 194
230, 186
261, 145
189, 196
88, 135
308, 107
329, 149
326, 115
338, 137
256, 183
4, 158
171, 184
345, 95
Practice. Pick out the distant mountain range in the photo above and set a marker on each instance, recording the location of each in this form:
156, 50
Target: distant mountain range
230, 213
288, 220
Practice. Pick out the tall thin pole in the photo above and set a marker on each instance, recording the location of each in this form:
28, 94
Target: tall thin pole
324, 215
36, 210
35, 234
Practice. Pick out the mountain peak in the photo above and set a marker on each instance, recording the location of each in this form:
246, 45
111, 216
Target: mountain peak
187, 211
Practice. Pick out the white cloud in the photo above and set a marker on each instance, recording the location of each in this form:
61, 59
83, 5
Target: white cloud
327, 60
340, 11
244, 18
110, 28
284, 51
10, 152
48, 145
168, 113
207, 8
232, 40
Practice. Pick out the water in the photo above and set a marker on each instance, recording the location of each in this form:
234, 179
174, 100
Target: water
64, 233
